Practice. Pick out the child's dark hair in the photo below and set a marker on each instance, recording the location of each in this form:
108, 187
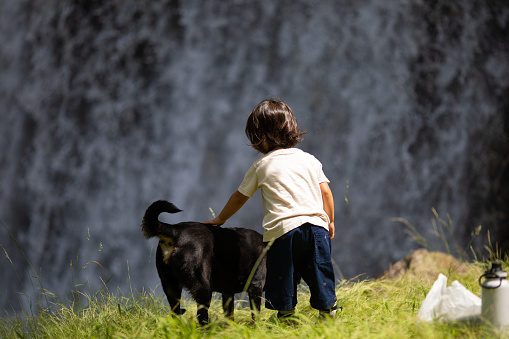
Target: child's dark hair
272, 124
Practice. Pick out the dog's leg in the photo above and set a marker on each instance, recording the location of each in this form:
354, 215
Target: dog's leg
173, 295
203, 309
228, 305
255, 300
173, 292
170, 283
202, 296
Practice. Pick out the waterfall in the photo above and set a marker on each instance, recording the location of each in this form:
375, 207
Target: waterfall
108, 106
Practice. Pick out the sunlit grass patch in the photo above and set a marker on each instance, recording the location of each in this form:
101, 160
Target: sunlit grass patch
374, 308
371, 309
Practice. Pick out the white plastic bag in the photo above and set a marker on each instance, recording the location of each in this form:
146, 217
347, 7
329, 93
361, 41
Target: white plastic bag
430, 304
449, 303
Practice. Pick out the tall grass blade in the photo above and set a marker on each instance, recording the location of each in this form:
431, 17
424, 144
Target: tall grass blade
256, 265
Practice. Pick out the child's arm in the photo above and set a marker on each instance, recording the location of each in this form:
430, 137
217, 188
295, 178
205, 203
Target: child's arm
328, 205
236, 201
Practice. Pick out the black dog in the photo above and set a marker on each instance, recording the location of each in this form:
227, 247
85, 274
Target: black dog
204, 258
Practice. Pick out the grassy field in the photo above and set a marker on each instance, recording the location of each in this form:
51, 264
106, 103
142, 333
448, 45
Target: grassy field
371, 309
377, 308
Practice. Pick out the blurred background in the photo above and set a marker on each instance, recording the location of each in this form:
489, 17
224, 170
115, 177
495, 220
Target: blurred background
107, 106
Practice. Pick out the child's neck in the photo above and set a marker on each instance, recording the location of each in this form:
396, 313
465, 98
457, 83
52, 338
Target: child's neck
275, 149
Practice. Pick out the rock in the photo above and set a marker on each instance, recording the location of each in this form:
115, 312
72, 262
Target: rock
424, 265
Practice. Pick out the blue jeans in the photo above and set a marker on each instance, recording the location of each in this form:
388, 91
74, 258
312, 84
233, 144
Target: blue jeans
304, 252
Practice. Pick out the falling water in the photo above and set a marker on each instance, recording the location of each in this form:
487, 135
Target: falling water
107, 106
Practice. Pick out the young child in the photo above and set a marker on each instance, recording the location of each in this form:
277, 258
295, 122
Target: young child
298, 211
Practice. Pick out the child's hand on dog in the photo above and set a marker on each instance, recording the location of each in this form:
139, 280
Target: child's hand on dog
216, 221
236, 201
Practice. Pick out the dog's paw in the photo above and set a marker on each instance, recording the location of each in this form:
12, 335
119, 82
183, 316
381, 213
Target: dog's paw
179, 311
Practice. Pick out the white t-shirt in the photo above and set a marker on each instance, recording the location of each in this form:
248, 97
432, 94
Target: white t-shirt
289, 180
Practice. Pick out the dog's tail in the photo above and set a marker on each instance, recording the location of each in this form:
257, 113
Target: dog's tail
150, 224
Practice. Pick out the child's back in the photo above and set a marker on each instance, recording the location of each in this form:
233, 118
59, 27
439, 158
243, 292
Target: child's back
298, 211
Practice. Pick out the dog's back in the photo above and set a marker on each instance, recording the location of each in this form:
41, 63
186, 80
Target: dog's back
204, 258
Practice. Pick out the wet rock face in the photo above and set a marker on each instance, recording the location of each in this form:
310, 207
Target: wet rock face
488, 184
488, 161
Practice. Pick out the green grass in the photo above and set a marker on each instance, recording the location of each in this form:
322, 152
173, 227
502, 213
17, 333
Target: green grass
371, 309
378, 308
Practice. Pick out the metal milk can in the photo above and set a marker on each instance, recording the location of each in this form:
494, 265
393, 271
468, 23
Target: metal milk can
495, 296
